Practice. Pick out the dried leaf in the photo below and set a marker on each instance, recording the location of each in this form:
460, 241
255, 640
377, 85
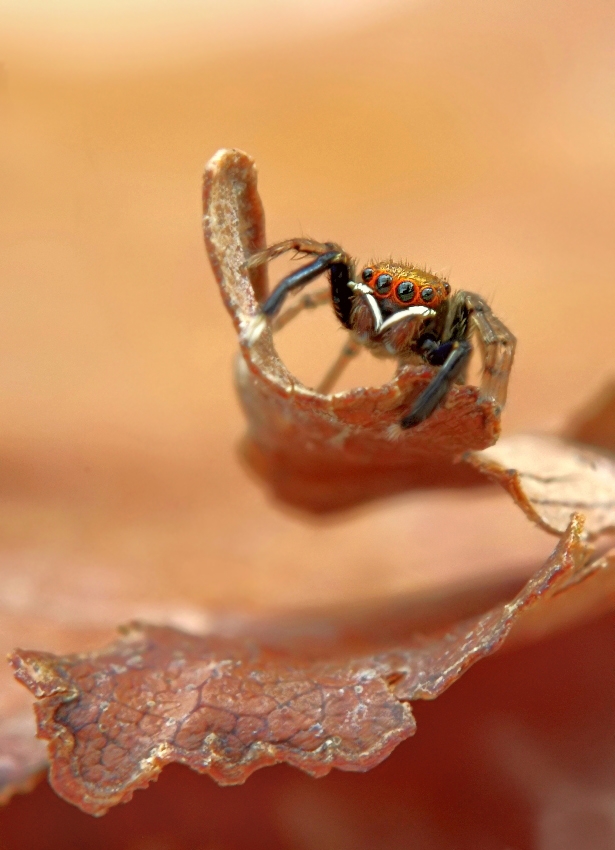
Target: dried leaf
324, 452
519, 754
549, 477
174, 554
590, 599
227, 707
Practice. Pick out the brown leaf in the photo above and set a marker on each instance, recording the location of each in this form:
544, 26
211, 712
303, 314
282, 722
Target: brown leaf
227, 707
518, 755
324, 452
549, 477
171, 552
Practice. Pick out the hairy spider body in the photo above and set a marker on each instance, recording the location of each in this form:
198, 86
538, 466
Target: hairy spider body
399, 311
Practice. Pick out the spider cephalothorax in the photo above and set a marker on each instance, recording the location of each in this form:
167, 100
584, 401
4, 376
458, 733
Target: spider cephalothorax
399, 311
394, 305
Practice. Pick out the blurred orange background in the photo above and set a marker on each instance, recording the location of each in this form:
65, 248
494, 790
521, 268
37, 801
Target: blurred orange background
477, 138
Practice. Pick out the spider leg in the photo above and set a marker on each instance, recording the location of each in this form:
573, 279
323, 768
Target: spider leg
309, 301
350, 350
330, 257
297, 279
498, 347
453, 355
300, 245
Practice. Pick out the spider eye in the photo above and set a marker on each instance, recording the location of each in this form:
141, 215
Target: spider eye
383, 284
447, 287
427, 294
367, 275
405, 291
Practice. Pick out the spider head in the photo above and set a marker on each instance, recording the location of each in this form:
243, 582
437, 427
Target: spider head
394, 304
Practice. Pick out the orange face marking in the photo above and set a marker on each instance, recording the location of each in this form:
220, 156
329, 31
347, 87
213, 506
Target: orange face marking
405, 286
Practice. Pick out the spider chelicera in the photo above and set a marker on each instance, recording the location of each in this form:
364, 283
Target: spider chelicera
398, 311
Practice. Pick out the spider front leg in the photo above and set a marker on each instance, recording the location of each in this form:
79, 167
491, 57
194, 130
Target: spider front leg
330, 258
452, 357
301, 245
468, 312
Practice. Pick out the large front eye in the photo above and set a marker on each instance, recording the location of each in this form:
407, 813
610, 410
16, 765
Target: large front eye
405, 291
383, 284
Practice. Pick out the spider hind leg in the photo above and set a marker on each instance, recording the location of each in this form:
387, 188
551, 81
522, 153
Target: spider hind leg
498, 348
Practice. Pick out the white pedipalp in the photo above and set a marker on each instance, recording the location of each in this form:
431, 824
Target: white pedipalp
375, 310
410, 312
366, 292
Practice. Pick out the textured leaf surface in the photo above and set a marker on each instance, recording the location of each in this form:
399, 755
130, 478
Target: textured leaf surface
519, 751
226, 707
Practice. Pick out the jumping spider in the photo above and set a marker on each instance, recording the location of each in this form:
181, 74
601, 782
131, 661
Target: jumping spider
399, 311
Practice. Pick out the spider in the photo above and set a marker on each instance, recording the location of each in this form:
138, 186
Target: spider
400, 311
